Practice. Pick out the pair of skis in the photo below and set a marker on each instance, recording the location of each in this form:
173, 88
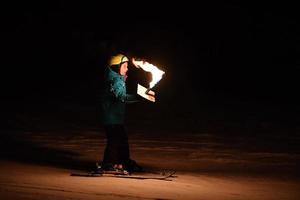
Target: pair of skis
166, 175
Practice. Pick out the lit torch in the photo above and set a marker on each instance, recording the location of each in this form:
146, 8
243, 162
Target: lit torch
155, 72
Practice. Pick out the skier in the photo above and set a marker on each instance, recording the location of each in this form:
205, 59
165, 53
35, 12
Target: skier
114, 97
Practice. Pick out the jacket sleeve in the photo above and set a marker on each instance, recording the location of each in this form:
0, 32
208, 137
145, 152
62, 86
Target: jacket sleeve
131, 98
118, 90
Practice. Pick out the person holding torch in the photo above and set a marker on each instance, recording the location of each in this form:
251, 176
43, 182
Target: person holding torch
114, 98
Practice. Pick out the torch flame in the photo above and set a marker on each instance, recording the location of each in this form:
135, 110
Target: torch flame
156, 73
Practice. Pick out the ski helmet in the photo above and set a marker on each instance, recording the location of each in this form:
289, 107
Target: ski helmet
118, 59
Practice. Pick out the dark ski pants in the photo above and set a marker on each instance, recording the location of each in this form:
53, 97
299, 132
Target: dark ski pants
117, 148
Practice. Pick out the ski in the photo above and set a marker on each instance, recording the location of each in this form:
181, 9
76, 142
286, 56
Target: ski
162, 175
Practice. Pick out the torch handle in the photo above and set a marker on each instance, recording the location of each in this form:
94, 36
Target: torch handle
147, 90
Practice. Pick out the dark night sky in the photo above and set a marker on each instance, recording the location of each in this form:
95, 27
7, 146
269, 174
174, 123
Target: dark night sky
214, 51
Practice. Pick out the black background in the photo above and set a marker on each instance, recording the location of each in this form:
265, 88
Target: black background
224, 60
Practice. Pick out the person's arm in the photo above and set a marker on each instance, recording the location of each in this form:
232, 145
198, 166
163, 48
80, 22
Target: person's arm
132, 98
119, 92
117, 88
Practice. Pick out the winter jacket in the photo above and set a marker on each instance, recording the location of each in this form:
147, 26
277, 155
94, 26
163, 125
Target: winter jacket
114, 98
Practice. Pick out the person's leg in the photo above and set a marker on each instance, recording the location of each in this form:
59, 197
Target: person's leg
111, 153
123, 145
124, 153
117, 154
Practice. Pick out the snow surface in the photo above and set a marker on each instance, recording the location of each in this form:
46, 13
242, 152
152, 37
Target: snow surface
37, 165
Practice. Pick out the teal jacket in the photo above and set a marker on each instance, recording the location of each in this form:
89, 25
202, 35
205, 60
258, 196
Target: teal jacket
114, 98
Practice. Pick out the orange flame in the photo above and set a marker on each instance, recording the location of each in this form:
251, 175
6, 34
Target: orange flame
156, 73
